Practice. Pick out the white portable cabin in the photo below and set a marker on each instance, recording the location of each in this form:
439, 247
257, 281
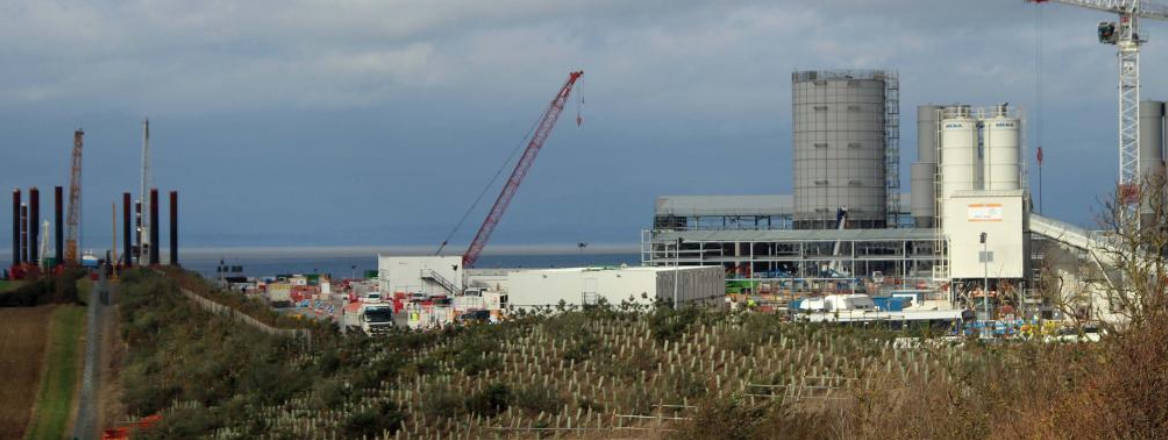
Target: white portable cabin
433, 275
579, 286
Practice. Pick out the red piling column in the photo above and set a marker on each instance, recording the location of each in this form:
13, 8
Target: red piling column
34, 225
174, 228
15, 227
59, 222
153, 226
127, 241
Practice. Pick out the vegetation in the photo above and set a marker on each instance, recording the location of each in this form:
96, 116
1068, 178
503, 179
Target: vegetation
6, 285
623, 372
55, 289
59, 382
251, 306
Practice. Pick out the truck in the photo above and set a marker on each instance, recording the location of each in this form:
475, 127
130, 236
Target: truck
859, 308
368, 318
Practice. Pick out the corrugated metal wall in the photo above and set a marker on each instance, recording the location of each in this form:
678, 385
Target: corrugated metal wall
839, 149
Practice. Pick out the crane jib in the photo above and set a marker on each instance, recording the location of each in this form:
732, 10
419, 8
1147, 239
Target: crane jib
547, 122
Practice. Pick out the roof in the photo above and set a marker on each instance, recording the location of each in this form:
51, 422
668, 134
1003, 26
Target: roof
613, 268
736, 205
746, 205
728, 235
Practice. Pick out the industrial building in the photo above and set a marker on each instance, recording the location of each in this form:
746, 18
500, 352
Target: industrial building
582, 286
966, 227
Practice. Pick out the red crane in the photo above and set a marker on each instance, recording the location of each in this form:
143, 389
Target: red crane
537, 139
74, 220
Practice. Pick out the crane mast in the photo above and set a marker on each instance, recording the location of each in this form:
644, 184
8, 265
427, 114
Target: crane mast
1125, 35
546, 123
144, 244
74, 220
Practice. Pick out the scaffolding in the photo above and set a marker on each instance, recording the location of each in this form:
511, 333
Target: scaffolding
892, 146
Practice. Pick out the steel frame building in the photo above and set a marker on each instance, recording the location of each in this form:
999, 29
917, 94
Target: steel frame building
752, 239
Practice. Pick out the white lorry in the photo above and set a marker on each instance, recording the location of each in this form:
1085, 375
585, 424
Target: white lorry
371, 319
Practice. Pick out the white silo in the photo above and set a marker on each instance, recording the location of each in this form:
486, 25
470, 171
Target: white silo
1002, 167
959, 159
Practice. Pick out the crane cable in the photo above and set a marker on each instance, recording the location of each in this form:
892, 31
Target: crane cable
490, 184
1038, 96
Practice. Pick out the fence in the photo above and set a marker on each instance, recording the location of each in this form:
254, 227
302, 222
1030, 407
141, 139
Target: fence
220, 309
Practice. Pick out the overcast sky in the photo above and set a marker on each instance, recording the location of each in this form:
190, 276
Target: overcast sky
341, 123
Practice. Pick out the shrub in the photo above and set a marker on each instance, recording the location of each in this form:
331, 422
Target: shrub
491, 401
385, 417
537, 398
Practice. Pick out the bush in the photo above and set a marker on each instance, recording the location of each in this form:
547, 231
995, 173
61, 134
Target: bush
491, 401
50, 289
537, 398
385, 417
443, 402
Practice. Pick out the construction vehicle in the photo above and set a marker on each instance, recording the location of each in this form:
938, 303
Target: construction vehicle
539, 136
368, 318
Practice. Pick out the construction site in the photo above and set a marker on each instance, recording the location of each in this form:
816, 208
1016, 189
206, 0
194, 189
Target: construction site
965, 236
895, 291
140, 227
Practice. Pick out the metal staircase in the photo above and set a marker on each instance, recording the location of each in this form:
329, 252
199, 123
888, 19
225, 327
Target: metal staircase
435, 277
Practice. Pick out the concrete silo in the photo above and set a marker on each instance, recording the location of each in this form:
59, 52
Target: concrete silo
960, 165
924, 170
1151, 147
839, 148
1002, 161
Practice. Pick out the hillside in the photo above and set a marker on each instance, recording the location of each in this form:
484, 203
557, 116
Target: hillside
625, 373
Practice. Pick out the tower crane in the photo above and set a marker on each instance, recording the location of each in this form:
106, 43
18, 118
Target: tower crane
539, 136
1125, 36
74, 221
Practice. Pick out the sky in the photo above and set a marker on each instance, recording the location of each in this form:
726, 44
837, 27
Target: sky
377, 123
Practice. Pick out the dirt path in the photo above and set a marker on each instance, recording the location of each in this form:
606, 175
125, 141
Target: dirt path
85, 423
113, 351
23, 336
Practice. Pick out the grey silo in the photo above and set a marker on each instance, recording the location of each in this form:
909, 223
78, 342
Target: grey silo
1151, 143
927, 133
1151, 137
924, 170
839, 148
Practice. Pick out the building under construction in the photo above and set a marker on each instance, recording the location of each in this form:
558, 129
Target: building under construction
965, 227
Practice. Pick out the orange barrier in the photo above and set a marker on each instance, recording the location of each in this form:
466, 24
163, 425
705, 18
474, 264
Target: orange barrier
123, 432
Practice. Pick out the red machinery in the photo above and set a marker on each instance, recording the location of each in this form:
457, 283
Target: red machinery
539, 136
71, 255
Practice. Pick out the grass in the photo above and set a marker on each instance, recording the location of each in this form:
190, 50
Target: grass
59, 383
6, 285
84, 285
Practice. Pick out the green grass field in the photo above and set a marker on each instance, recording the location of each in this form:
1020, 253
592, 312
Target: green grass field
6, 285
84, 285
60, 380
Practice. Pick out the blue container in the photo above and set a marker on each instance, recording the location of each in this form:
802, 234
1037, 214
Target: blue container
891, 303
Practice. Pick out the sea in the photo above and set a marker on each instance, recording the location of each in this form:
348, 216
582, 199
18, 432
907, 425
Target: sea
344, 264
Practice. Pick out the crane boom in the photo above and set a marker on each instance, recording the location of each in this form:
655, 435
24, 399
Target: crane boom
1135, 7
521, 168
74, 220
